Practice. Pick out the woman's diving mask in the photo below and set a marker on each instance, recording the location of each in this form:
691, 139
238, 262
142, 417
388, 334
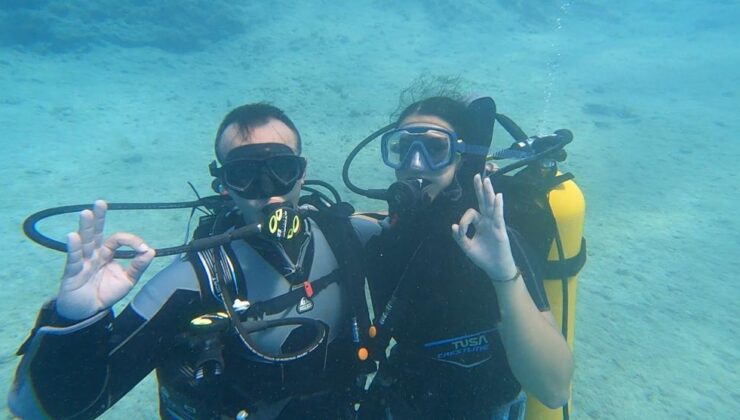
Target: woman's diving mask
423, 147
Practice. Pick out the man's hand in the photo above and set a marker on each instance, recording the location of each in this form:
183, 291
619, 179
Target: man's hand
92, 280
489, 248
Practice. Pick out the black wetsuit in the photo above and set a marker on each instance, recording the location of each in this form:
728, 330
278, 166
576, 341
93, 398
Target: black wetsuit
79, 369
449, 360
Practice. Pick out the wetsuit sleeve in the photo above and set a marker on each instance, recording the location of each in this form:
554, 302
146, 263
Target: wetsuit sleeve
530, 266
80, 369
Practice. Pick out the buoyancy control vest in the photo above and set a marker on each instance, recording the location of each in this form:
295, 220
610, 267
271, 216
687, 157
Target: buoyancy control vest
442, 310
198, 366
314, 327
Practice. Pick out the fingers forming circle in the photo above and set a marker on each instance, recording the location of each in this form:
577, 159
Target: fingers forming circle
471, 216
139, 264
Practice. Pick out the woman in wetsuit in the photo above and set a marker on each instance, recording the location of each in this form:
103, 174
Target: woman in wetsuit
458, 291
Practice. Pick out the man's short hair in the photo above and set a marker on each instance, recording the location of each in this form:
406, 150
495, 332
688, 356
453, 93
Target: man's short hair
252, 115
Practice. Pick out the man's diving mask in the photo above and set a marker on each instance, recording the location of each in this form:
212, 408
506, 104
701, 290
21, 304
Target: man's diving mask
260, 170
423, 147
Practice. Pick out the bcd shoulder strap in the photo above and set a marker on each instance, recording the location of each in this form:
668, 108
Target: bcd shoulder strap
335, 223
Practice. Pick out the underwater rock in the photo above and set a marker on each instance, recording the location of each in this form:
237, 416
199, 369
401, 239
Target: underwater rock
173, 26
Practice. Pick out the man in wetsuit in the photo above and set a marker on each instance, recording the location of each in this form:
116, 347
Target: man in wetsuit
261, 327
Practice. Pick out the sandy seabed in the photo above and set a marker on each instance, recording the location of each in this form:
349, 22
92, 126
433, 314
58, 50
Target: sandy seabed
649, 91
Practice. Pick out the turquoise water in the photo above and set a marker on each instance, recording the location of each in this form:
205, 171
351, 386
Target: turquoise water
121, 101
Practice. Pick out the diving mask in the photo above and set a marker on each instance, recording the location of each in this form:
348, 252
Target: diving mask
260, 170
425, 146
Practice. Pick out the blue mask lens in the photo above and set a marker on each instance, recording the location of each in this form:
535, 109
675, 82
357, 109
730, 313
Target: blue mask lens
435, 146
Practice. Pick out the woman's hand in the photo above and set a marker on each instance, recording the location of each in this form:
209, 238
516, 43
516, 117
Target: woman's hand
489, 248
535, 349
92, 280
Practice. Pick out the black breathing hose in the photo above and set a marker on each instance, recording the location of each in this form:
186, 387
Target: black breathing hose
212, 203
30, 229
377, 194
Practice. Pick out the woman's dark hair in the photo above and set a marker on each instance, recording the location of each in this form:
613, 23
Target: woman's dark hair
448, 109
252, 115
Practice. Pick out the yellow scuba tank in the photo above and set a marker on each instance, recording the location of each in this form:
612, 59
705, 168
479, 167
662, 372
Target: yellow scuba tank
567, 251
